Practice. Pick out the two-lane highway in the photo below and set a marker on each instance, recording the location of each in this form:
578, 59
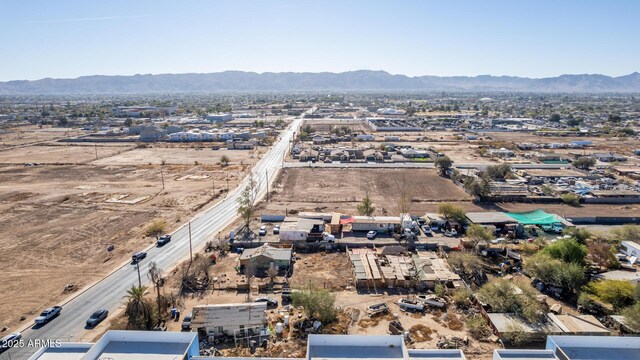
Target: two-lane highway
109, 292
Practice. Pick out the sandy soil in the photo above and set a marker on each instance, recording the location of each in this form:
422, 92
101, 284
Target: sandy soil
342, 189
322, 270
59, 153
56, 223
181, 154
31, 134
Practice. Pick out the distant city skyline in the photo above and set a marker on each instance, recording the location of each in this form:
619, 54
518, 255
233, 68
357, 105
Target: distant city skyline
536, 39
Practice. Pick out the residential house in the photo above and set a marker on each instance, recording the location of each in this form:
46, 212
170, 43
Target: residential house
265, 257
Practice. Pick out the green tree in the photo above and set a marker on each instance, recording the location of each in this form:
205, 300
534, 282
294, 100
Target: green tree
555, 117
584, 163
465, 262
366, 207
568, 276
461, 297
503, 296
477, 233
567, 250
498, 172
155, 274
317, 304
581, 235
128, 122
632, 316
452, 212
139, 311
618, 293
627, 233
478, 327
156, 228
479, 187
443, 163
440, 290
571, 199
247, 201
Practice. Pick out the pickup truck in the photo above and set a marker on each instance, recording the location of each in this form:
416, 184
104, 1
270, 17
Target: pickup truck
163, 240
48, 314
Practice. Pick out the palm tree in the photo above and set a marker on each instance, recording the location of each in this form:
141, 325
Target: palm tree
138, 311
156, 277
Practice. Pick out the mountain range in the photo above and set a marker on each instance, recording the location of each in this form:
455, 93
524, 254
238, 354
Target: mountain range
362, 80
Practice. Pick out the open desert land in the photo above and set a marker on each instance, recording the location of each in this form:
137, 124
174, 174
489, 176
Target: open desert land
56, 221
341, 189
31, 134
181, 154
60, 153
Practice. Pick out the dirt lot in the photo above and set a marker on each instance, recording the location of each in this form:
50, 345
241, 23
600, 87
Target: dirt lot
31, 134
181, 154
56, 222
58, 153
322, 270
342, 189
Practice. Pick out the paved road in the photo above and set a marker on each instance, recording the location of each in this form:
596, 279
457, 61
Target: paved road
109, 292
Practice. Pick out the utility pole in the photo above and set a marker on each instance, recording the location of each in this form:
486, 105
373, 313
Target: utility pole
267, 174
139, 278
190, 248
96, 147
227, 173
162, 177
213, 184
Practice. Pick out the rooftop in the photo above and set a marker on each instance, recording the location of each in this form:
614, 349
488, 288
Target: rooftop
490, 217
595, 347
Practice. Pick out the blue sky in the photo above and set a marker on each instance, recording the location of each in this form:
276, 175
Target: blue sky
534, 38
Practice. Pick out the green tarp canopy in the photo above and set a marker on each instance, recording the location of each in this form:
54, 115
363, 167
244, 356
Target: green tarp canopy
536, 217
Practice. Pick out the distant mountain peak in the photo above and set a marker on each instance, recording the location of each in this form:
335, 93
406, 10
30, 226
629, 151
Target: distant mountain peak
356, 80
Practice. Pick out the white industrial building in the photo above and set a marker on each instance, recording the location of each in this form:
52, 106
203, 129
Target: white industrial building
219, 117
226, 319
151, 345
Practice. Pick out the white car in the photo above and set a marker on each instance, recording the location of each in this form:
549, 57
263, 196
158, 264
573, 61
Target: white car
372, 234
262, 231
451, 233
276, 229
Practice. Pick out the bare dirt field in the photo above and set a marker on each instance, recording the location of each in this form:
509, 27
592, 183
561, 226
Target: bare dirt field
181, 154
56, 222
322, 270
31, 134
58, 153
341, 189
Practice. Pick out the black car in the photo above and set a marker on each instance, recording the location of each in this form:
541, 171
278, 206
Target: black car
138, 256
97, 317
163, 240
271, 304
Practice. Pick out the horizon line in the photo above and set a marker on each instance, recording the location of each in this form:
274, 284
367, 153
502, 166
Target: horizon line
309, 72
